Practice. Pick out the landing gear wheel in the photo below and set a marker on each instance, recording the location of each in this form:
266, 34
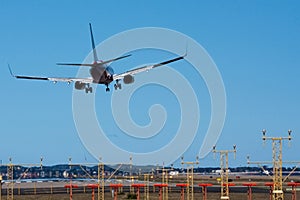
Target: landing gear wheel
118, 86
107, 89
89, 89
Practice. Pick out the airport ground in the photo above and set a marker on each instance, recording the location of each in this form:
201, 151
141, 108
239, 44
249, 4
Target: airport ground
56, 190
153, 196
213, 196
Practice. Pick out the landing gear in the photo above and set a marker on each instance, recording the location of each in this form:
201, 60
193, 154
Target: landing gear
117, 85
107, 88
88, 89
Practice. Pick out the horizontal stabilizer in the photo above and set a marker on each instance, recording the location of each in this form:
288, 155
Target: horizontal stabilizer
33, 78
76, 64
114, 59
94, 64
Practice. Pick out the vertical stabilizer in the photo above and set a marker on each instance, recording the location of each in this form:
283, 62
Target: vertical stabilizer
93, 44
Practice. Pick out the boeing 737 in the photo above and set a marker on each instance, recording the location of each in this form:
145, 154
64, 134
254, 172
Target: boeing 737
100, 71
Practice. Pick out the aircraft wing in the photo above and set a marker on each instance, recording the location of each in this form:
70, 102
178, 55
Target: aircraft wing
56, 79
145, 68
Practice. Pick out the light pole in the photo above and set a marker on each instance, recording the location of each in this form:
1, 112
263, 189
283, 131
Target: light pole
190, 176
277, 162
224, 168
0, 187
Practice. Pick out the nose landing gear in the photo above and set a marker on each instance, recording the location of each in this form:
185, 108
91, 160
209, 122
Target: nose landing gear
107, 88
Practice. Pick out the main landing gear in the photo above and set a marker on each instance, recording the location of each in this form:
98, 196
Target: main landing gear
117, 85
88, 88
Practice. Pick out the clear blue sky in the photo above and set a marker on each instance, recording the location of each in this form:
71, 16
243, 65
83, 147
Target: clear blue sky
255, 45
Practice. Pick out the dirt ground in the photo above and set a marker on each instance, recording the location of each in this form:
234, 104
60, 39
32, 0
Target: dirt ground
56, 191
153, 196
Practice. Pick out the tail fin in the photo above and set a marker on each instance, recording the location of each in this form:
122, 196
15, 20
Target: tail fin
93, 44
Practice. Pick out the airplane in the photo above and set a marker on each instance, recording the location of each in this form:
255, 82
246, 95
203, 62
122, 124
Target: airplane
100, 71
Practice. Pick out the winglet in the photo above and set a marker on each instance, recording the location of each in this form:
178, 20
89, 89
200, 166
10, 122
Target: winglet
10, 71
186, 50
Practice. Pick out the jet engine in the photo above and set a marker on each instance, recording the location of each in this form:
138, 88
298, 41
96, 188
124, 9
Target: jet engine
128, 79
79, 85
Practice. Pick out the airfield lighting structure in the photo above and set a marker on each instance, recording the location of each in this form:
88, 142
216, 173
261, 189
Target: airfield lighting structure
132, 178
146, 189
10, 175
182, 186
10, 178
277, 162
115, 188
101, 179
294, 191
277, 189
138, 186
164, 180
70, 176
270, 185
204, 189
101, 174
189, 176
160, 187
0, 187
249, 191
224, 170
147, 182
93, 187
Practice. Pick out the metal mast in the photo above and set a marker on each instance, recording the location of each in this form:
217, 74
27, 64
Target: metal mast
190, 177
10, 178
101, 180
277, 163
224, 170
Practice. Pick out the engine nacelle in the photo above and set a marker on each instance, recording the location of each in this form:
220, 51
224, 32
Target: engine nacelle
79, 85
128, 79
